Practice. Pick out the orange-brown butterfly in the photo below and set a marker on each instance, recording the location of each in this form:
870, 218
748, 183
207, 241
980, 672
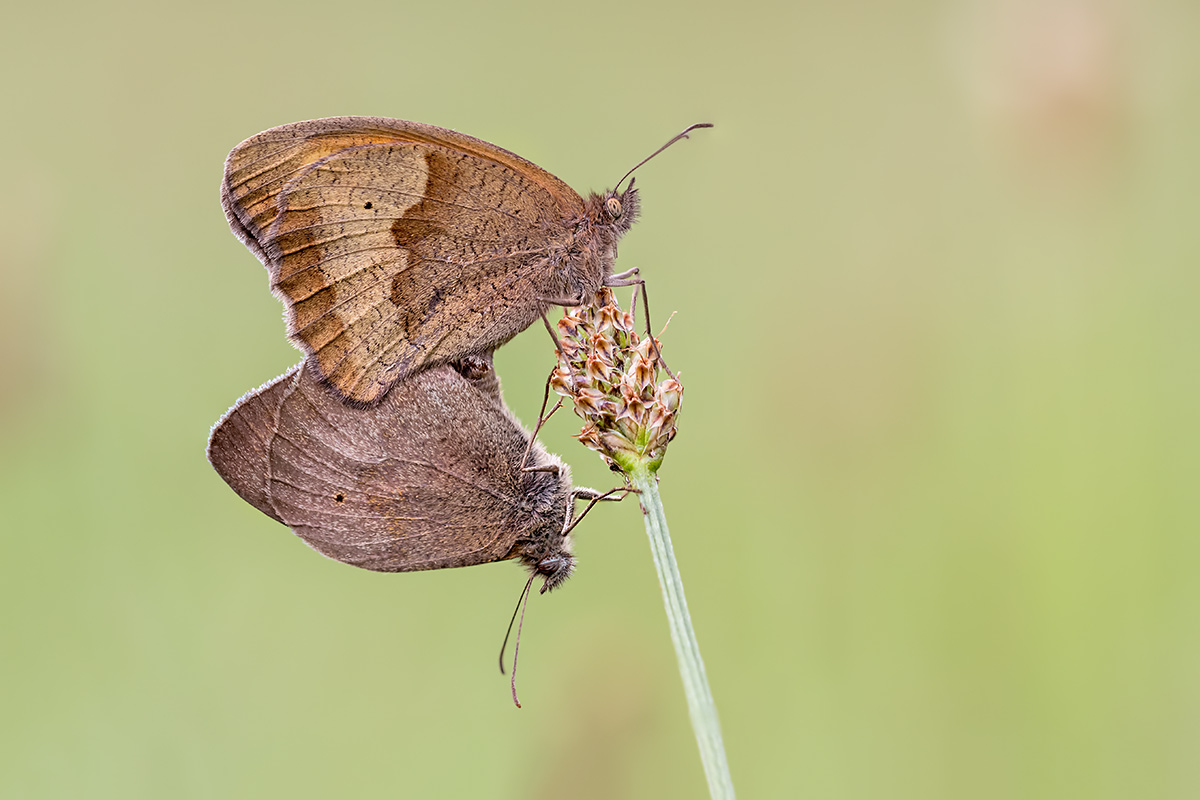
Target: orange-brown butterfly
397, 246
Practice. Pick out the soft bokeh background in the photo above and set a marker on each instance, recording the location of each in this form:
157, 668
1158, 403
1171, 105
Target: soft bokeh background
935, 493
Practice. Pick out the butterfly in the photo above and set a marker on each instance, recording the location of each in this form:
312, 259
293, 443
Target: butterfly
396, 246
429, 478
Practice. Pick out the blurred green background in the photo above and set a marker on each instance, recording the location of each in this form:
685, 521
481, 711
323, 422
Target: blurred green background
935, 491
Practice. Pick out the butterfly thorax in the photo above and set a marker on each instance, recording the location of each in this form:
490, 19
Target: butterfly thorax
545, 501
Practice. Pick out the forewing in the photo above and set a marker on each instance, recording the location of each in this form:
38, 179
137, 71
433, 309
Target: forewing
396, 245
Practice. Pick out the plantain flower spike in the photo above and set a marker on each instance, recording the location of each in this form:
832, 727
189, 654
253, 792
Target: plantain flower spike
610, 374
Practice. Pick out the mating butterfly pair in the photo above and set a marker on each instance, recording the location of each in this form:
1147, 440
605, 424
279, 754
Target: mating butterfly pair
404, 255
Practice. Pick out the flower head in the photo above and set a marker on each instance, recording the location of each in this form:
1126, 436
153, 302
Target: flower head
611, 375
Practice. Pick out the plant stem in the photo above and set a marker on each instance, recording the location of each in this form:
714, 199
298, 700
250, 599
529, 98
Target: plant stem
695, 683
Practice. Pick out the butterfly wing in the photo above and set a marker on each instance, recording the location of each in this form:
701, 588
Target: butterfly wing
397, 245
427, 479
240, 442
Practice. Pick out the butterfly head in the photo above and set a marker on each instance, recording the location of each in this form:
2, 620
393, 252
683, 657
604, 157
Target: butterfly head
555, 568
620, 208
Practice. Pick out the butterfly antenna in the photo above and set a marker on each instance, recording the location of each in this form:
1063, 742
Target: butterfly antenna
508, 632
516, 647
681, 135
517, 643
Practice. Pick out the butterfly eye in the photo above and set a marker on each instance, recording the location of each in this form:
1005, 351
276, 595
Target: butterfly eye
550, 565
614, 207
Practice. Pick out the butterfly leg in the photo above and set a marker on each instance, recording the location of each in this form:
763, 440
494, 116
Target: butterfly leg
584, 493
626, 278
550, 330
566, 302
542, 417
591, 495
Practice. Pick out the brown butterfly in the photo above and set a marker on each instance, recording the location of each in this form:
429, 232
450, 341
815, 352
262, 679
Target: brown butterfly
429, 478
396, 245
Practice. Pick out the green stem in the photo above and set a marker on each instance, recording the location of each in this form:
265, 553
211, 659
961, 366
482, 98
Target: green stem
695, 683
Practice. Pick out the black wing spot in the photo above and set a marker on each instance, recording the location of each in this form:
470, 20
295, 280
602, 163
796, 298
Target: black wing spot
367, 205
339, 498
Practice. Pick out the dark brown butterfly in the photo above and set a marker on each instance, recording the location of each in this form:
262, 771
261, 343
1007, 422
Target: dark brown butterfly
396, 245
430, 478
